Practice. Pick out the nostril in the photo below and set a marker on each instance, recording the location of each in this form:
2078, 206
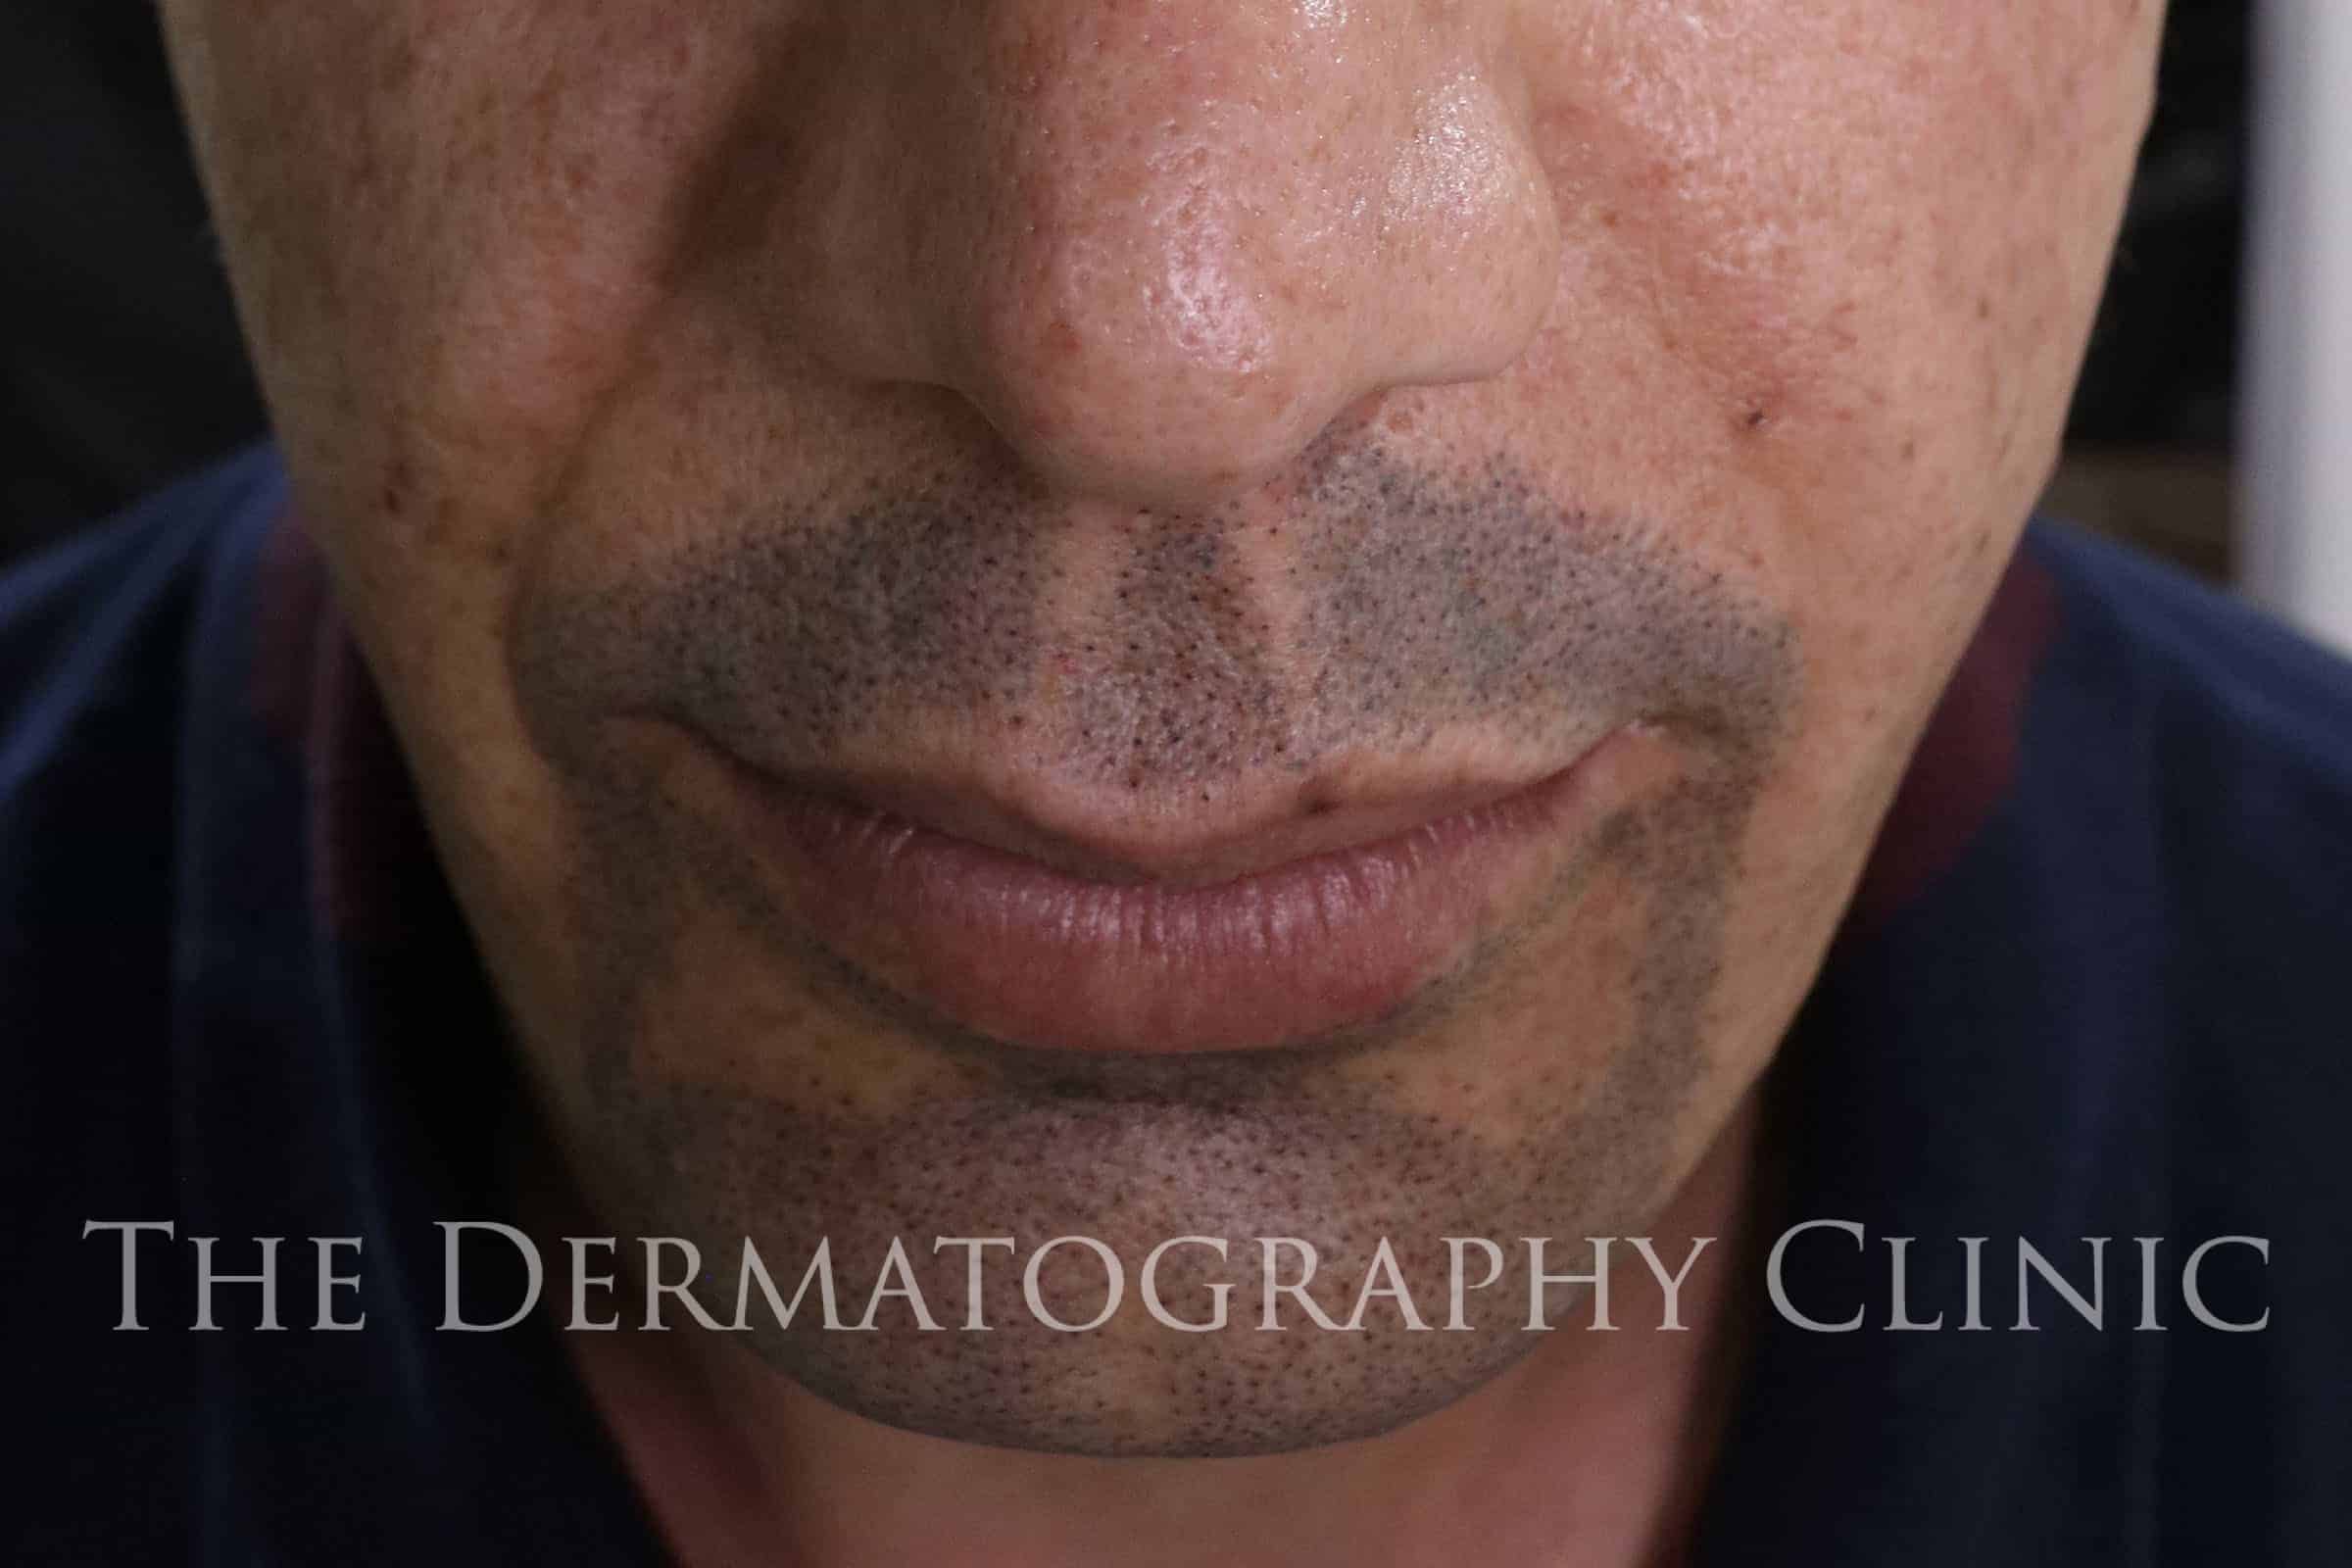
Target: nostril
1173, 391
1139, 442
1159, 282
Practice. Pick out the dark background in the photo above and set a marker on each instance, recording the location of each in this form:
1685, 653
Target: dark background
120, 363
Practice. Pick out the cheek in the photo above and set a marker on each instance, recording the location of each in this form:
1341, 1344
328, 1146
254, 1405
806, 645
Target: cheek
1851, 215
1857, 248
447, 229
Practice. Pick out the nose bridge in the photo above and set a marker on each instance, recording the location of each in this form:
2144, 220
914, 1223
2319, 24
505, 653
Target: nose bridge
1192, 233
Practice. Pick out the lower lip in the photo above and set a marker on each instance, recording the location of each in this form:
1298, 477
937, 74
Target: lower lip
1035, 956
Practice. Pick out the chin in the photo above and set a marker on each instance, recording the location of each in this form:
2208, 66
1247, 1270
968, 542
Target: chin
1238, 1394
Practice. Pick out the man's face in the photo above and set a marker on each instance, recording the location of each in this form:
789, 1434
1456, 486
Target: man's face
1165, 617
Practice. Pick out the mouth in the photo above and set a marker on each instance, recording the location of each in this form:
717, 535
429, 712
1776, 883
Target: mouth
1274, 928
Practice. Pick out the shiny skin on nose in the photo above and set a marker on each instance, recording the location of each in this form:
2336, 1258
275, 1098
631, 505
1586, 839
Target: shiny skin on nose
1159, 245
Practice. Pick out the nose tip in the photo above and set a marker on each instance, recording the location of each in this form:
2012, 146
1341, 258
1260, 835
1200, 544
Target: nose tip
1170, 359
1171, 374
1161, 248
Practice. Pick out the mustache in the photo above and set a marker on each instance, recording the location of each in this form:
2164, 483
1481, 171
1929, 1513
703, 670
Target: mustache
1382, 604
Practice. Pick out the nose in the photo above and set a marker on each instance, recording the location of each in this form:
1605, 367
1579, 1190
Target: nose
1160, 244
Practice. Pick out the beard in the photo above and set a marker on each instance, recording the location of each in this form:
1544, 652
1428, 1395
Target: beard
743, 1084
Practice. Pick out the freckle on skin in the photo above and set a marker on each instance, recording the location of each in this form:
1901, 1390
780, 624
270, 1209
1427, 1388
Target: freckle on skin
398, 480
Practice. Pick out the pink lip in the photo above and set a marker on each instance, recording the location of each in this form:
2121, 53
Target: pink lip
1038, 940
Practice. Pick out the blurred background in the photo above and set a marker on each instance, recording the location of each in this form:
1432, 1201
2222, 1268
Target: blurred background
120, 364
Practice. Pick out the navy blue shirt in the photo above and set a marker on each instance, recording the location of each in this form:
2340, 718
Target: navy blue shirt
2097, 983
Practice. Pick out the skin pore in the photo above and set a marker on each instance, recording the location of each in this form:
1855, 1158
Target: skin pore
1151, 417
1494, 611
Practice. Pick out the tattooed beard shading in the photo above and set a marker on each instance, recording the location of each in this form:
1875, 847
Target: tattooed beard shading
1418, 604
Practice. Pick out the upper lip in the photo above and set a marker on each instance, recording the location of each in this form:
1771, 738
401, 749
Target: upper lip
1184, 840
